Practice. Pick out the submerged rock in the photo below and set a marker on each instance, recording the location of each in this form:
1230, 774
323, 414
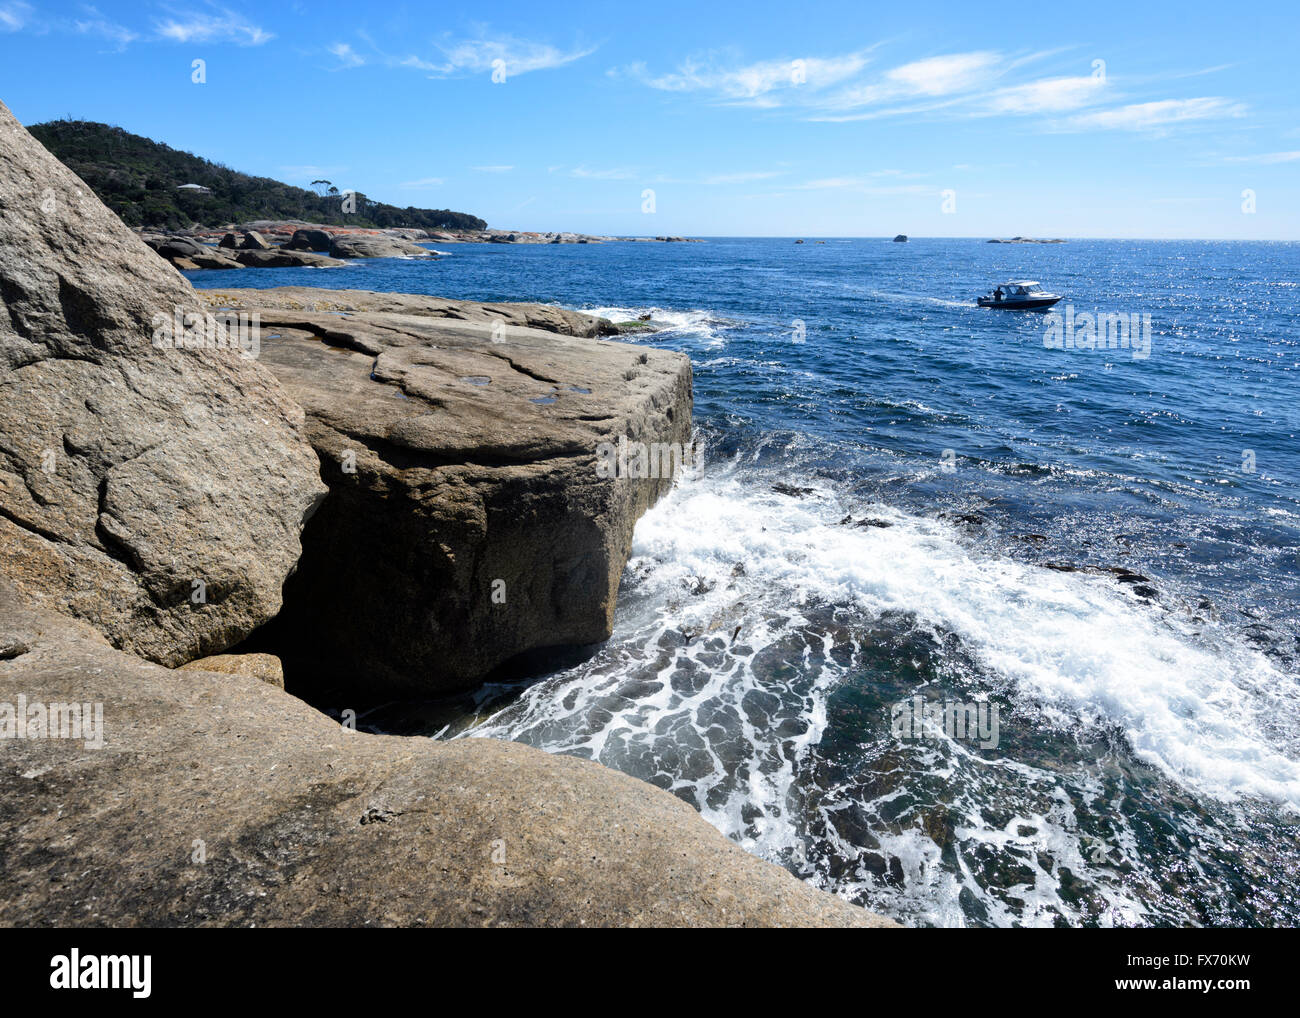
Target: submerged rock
156, 492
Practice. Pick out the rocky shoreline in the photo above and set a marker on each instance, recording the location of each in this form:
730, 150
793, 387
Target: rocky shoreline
401, 495
288, 244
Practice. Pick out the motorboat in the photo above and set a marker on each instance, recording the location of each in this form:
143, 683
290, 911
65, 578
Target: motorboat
1019, 295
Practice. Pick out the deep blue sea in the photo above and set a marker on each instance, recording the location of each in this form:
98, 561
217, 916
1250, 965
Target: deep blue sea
907, 496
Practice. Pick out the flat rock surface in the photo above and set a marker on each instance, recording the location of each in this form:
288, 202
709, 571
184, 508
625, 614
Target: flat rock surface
186, 817
467, 523
306, 298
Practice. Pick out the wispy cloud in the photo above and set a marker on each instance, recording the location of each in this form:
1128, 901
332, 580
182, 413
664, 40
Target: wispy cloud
1158, 116
943, 75
743, 178
516, 56
966, 85
504, 54
863, 185
219, 25
1265, 158
347, 56
752, 84
15, 16
95, 23
1048, 95
423, 184
617, 173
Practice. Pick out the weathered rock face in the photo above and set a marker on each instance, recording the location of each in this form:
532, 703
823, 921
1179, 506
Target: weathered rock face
266, 667
356, 246
254, 241
158, 493
302, 823
467, 521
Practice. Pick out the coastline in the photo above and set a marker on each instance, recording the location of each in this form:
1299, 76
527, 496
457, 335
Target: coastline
261, 810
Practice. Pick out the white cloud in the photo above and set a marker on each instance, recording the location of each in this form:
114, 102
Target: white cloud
423, 184
956, 72
506, 53
516, 56
348, 57
1265, 158
1048, 95
96, 24
756, 83
1158, 115
223, 26
14, 16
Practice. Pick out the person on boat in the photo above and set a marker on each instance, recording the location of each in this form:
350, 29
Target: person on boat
997, 294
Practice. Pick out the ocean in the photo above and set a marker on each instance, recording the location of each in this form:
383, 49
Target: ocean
966, 627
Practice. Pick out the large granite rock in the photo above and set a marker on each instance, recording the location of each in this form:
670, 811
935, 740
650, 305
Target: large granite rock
467, 523
156, 492
309, 240
351, 245
279, 258
178, 247
221, 800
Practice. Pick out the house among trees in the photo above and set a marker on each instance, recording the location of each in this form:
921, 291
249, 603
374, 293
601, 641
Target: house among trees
196, 188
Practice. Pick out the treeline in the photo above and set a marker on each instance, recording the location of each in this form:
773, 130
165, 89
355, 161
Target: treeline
138, 179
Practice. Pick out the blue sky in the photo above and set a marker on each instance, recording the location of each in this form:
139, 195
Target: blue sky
803, 119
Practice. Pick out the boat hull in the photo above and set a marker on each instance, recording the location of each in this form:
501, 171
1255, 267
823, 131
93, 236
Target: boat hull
1024, 304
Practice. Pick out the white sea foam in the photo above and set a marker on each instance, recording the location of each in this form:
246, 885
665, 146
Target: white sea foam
1214, 715
715, 721
711, 329
1202, 712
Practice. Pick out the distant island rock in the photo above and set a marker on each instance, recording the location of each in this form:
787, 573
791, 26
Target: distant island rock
1026, 240
901, 239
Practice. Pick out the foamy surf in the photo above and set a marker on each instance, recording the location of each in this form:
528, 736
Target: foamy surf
710, 329
748, 615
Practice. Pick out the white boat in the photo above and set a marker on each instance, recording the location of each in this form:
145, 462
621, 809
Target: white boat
1019, 295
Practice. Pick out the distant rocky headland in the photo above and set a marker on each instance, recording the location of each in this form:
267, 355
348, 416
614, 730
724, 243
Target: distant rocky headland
169, 195
284, 244
1025, 240
382, 495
